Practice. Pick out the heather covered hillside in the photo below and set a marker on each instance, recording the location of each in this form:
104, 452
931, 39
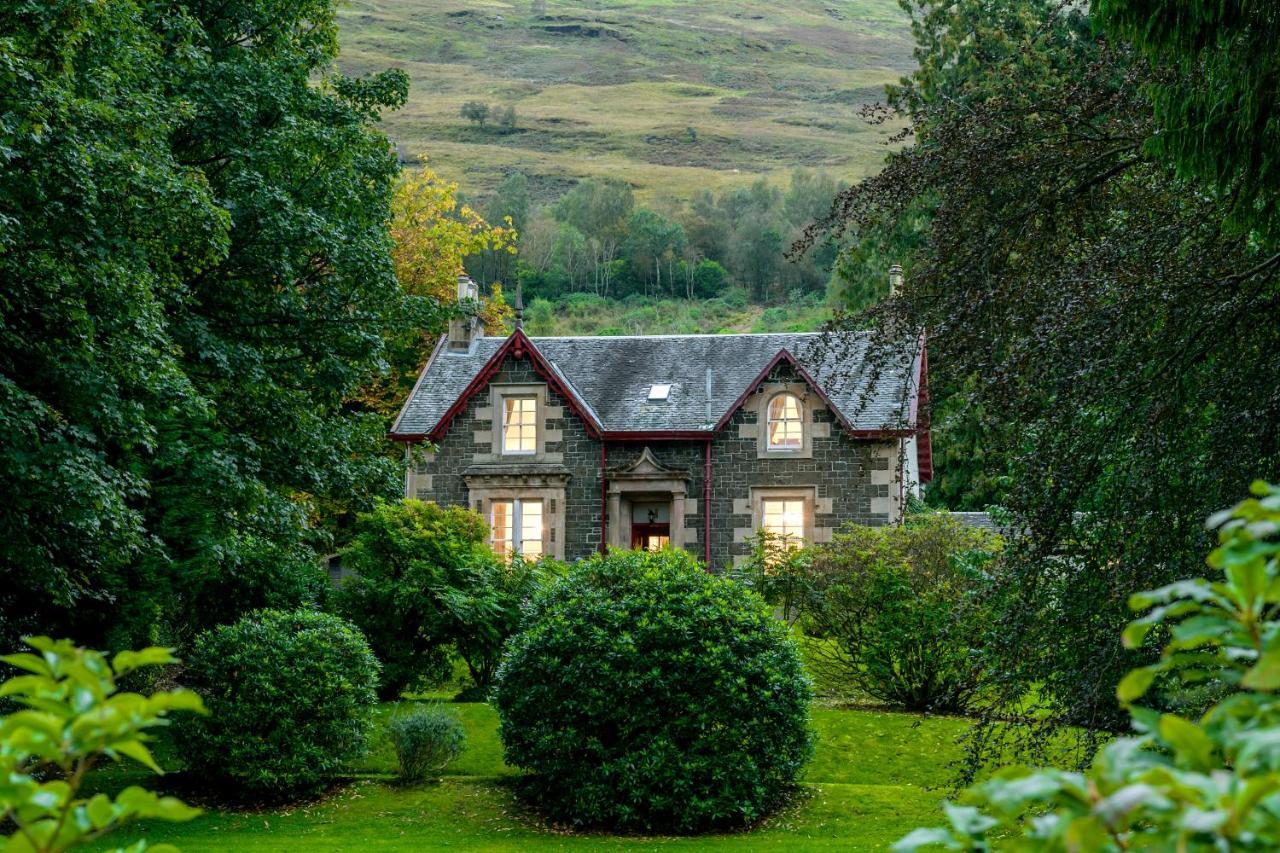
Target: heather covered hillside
672, 97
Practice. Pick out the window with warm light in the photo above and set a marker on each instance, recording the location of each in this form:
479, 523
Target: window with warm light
785, 423
784, 518
516, 528
520, 425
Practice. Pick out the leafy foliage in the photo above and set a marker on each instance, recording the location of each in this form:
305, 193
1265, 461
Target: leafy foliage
73, 716
426, 740
647, 694
491, 610
419, 580
1076, 287
433, 232
194, 277
290, 695
1218, 105
900, 613
1206, 783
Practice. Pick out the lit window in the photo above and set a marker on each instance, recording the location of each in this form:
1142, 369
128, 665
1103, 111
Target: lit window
507, 518
784, 518
659, 392
530, 529
519, 424
502, 525
785, 423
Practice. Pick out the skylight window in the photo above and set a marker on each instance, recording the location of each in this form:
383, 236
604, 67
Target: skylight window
660, 392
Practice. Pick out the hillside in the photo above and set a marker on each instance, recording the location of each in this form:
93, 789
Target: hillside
674, 96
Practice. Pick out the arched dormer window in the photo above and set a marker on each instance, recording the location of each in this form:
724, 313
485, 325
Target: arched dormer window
785, 423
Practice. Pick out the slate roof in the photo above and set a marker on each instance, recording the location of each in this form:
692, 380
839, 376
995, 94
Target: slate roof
708, 374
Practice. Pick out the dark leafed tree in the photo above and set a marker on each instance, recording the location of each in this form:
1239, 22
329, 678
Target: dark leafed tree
195, 276
1111, 346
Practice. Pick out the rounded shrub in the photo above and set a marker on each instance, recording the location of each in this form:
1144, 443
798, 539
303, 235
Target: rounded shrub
646, 694
426, 740
289, 695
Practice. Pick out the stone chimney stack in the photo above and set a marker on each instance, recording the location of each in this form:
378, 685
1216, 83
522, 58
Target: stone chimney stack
465, 330
895, 279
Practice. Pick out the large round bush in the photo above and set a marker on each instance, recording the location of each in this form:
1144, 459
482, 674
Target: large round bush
289, 695
646, 694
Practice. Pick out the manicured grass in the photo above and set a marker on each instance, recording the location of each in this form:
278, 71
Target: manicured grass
611, 89
867, 786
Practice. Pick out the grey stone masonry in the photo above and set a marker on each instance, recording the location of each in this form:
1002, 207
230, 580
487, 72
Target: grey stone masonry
841, 479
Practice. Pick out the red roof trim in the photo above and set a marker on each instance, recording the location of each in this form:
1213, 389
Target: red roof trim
518, 346
785, 355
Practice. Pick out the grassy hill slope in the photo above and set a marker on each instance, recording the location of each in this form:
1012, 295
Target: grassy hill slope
673, 96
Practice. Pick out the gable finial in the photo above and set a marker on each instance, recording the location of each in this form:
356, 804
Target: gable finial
519, 306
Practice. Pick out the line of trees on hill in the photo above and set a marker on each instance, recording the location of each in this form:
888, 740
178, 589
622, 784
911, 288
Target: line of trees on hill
596, 239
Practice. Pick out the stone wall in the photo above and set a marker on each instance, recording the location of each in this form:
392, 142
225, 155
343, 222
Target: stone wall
852, 480
469, 442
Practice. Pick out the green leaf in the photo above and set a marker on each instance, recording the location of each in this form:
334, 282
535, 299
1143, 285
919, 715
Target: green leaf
128, 661
138, 752
1194, 749
930, 837
1136, 683
101, 810
1265, 674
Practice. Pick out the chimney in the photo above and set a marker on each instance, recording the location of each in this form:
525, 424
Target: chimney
895, 279
464, 330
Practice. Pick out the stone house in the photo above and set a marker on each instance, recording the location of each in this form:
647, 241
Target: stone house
570, 445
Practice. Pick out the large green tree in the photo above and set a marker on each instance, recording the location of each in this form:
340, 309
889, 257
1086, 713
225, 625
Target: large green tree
1113, 349
194, 276
1218, 101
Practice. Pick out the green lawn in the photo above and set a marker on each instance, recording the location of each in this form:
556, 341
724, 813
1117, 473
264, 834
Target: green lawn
867, 786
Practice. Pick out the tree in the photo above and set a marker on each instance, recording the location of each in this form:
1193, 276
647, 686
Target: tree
433, 235
599, 210
506, 118
1218, 107
412, 566
196, 277
476, 112
757, 252
651, 240
1103, 326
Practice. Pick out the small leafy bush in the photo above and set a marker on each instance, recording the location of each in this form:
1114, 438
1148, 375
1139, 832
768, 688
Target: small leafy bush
900, 613
72, 716
418, 576
290, 694
426, 740
1209, 782
646, 694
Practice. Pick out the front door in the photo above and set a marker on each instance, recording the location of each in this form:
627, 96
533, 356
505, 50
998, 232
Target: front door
650, 525
650, 536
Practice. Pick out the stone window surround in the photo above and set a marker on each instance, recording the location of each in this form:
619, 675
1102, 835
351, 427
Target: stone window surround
809, 403
807, 494
494, 413
482, 491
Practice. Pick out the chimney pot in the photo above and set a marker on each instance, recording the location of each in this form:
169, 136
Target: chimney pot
895, 279
464, 330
